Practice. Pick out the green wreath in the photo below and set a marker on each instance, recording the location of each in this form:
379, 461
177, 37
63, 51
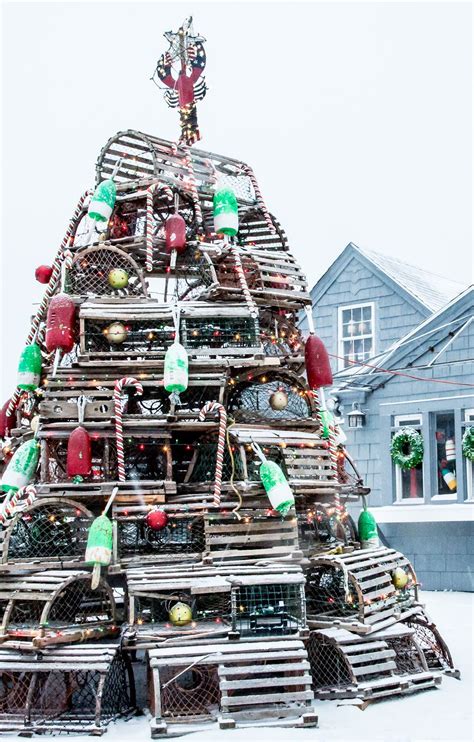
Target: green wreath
468, 444
407, 448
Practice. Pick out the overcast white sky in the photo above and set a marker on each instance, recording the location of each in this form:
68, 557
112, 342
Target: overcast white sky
355, 116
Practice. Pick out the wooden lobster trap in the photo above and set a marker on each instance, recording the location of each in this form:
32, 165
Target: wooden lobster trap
273, 277
232, 683
356, 591
256, 537
48, 533
64, 689
135, 542
347, 665
55, 607
92, 273
209, 332
259, 601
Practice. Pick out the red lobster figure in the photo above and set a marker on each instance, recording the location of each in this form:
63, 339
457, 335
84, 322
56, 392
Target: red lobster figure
187, 52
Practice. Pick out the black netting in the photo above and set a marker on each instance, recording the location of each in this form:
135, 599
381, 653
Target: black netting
204, 467
117, 696
268, 609
326, 593
92, 269
428, 638
52, 531
251, 401
213, 607
407, 657
180, 536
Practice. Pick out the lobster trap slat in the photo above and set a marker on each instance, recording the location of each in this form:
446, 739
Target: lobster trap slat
61, 690
231, 682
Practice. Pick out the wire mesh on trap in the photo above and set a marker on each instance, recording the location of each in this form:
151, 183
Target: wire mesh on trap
407, 655
259, 610
49, 531
329, 667
211, 607
180, 536
431, 643
89, 273
327, 593
252, 401
194, 692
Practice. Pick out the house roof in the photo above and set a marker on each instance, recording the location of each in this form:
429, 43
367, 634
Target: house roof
439, 328
425, 290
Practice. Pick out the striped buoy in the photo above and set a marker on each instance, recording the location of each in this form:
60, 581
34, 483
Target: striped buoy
119, 385
217, 407
149, 219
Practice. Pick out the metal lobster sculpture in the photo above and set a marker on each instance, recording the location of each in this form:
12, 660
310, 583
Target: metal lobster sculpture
186, 55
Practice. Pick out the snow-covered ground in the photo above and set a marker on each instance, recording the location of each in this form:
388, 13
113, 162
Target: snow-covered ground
445, 713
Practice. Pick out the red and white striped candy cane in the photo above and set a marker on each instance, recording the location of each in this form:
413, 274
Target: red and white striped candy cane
149, 218
193, 186
213, 407
52, 285
119, 384
17, 500
258, 195
243, 281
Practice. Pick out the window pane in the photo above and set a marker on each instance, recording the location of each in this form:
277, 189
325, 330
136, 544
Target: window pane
357, 314
367, 313
367, 347
412, 483
346, 316
445, 449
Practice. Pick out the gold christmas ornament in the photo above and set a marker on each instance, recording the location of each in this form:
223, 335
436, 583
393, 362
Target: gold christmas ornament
279, 400
118, 278
180, 614
116, 333
399, 578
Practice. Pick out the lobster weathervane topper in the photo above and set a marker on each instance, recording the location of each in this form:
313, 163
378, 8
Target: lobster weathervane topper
180, 69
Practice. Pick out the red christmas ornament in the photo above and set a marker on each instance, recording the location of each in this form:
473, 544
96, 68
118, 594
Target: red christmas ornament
7, 422
156, 520
79, 460
118, 227
43, 273
60, 324
175, 234
318, 368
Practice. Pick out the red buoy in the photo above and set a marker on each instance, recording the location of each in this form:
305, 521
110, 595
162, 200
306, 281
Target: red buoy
60, 324
175, 233
43, 273
318, 368
79, 459
156, 520
7, 422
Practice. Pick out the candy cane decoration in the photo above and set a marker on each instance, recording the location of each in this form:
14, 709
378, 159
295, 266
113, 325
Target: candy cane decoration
212, 407
11, 506
119, 384
243, 281
52, 285
247, 170
149, 219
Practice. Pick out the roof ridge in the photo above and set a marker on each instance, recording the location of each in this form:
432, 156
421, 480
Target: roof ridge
366, 251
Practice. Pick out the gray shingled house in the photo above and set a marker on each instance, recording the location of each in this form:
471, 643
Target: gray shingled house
373, 309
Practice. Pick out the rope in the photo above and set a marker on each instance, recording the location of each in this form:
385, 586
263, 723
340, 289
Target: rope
243, 281
192, 182
213, 407
51, 288
11, 506
259, 198
119, 384
149, 219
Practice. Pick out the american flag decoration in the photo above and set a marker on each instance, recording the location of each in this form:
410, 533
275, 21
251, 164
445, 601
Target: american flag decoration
180, 70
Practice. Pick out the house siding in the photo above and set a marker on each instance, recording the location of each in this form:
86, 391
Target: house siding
394, 315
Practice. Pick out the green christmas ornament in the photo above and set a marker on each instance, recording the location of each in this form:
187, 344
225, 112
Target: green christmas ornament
407, 448
176, 369
103, 201
367, 526
468, 444
29, 368
226, 212
22, 466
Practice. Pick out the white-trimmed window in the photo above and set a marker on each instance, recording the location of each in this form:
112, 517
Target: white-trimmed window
469, 422
356, 334
409, 482
444, 446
